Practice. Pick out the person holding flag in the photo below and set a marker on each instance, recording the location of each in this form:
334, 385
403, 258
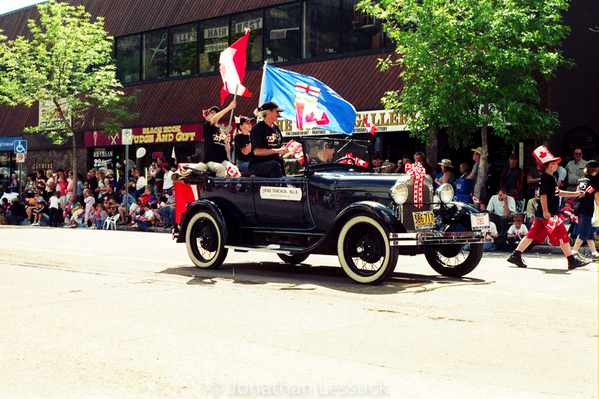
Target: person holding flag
585, 206
267, 140
548, 222
217, 143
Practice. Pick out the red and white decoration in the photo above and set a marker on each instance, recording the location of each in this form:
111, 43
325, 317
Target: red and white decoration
542, 155
232, 68
369, 126
418, 171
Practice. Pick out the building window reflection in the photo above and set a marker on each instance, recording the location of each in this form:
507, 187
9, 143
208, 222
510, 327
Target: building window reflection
254, 22
215, 38
155, 51
183, 56
127, 55
322, 28
282, 40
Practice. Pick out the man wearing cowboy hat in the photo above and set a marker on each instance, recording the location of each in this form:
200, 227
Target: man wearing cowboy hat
447, 171
547, 222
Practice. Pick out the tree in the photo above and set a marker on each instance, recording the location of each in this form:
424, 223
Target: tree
68, 65
473, 64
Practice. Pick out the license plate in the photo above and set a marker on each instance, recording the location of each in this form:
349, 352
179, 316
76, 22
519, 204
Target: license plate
479, 221
424, 220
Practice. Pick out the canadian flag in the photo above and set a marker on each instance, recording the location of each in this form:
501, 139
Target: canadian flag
369, 126
232, 68
542, 154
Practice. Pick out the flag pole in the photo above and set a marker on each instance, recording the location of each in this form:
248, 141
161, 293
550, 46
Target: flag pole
231, 121
261, 99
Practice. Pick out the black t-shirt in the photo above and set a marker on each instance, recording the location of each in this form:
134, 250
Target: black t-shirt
241, 141
585, 205
214, 144
264, 136
548, 187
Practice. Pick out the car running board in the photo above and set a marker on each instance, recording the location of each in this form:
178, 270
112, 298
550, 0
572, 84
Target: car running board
272, 248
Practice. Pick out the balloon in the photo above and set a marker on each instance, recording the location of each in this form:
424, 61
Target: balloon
140, 152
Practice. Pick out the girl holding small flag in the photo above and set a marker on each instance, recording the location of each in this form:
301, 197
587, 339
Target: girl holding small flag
585, 206
548, 222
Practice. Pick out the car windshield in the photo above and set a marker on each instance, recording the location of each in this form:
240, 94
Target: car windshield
323, 152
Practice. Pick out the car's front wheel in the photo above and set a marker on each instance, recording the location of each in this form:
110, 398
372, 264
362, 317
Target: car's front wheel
204, 240
364, 250
455, 260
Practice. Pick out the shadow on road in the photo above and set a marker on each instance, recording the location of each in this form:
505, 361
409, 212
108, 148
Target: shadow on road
304, 277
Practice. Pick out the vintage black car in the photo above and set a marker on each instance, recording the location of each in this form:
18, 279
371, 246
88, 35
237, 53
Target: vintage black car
332, 203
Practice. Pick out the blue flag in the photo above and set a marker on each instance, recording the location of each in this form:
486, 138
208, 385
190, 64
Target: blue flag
307, 101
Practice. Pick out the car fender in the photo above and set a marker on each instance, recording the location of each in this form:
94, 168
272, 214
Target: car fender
371, 208
202, 205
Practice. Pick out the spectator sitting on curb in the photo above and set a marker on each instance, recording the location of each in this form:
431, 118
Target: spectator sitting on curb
501, 210
15, 212
122, 208
135, 209
39, 216
167, 211
144, 222
516, 232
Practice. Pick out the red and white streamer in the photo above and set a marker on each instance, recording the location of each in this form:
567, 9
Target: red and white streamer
418, 171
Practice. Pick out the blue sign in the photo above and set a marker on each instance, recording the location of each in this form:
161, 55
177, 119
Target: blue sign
8, 143
20, 147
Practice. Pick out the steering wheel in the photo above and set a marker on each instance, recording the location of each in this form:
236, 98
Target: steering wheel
342, 159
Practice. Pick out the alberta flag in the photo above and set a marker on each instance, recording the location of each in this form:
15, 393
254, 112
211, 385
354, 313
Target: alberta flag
307, 101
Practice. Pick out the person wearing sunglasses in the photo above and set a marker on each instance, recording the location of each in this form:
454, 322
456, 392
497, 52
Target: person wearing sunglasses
575, 169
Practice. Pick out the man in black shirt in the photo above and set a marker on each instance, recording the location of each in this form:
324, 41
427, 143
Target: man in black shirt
547, 221
512, 178
266, 139
217, 143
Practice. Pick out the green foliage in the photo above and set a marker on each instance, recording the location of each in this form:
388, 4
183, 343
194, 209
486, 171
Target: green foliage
456, 56
68, 63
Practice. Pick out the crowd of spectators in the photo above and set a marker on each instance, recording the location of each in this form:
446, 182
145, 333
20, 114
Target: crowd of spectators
55, 199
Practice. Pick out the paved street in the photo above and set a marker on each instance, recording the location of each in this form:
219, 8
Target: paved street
92, 313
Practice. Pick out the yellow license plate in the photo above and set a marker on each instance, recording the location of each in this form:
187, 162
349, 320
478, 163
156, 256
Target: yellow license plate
424, 220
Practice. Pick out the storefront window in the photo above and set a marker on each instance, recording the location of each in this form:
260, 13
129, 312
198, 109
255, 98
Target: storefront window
322, 28
283, 38
183, 50
253, 21
155, 54
215, 38
127, 56
360, 31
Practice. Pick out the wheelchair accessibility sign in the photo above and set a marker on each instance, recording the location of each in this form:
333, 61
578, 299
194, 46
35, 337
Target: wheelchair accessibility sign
20, 147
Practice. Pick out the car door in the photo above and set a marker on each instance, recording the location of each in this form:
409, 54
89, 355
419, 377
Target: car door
280, 203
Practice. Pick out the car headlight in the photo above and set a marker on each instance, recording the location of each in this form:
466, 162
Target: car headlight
399, 193
445, 193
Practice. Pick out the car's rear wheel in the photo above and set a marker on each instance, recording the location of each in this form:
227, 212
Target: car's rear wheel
364, 250
293, 259
204, 240
454, 260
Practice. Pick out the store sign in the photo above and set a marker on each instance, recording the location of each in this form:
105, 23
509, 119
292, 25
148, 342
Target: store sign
185, 37
386, 121
102, 158
147, 135
8, 143
215, 33
252, 24
216, 47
